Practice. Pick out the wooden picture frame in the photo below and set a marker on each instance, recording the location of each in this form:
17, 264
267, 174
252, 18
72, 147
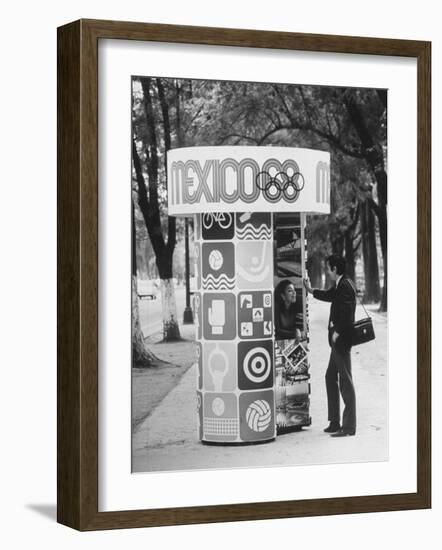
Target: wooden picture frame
77, 459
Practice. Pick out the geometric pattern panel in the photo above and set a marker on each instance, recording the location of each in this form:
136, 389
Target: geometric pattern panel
255, 365
219, 366
254, 264
255, 315
220, 417
254, 226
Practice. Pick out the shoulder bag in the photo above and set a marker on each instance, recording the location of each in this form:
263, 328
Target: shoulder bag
363, 330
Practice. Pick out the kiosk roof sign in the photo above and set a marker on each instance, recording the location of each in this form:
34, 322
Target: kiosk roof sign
240, 179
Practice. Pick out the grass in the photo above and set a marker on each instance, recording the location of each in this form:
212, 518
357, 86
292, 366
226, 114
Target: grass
150, 386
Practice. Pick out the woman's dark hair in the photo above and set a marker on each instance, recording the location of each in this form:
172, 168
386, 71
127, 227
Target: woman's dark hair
337, 261
281, 287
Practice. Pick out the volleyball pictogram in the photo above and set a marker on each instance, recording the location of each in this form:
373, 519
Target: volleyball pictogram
259, 415
216, 260
218, 266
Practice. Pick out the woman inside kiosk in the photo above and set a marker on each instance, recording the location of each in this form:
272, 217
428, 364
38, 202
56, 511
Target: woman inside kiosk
288, 312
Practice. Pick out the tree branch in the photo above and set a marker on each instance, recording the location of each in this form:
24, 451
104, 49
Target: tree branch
357, 245
156, 237
142, 190
281, 97
355, 219
171, 220
165, 114
271, 132
374, 206
240, 136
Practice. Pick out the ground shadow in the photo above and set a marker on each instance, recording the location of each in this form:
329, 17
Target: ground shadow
47, 510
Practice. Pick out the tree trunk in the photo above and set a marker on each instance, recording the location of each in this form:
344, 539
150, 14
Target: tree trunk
171, 329
141, 356
338, 245
328, 280
150, 207
315, 271
382, 218
374, 157
370, 254
349, 254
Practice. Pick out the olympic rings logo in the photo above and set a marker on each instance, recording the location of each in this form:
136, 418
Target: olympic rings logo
281, 184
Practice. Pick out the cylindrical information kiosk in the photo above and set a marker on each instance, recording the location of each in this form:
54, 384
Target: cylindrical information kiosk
249, 266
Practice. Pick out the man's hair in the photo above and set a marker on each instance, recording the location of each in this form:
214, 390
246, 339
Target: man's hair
337, 261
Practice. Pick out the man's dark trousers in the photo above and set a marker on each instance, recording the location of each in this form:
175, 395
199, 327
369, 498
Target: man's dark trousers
338, 376
338, 379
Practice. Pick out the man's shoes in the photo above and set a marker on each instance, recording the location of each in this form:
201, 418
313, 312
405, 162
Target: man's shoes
332, 428
343, 433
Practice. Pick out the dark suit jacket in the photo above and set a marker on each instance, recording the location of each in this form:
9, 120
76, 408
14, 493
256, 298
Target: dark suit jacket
342, 310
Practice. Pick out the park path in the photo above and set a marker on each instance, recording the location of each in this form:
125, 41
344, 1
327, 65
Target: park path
167, 440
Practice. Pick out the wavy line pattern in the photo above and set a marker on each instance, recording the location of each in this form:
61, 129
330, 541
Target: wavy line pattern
248, 232
218, 283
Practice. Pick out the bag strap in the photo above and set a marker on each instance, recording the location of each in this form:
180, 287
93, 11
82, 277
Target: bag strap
357, 297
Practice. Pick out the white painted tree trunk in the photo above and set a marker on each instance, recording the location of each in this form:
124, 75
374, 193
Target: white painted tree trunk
141, 356
171, 329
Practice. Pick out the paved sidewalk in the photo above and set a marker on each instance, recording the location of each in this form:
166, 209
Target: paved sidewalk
167, 439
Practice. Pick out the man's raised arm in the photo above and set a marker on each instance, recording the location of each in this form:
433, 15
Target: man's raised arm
323, 295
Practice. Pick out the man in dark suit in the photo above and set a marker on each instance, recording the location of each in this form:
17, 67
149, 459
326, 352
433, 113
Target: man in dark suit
338, 377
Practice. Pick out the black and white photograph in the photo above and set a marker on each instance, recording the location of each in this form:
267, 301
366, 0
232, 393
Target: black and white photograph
259, 274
